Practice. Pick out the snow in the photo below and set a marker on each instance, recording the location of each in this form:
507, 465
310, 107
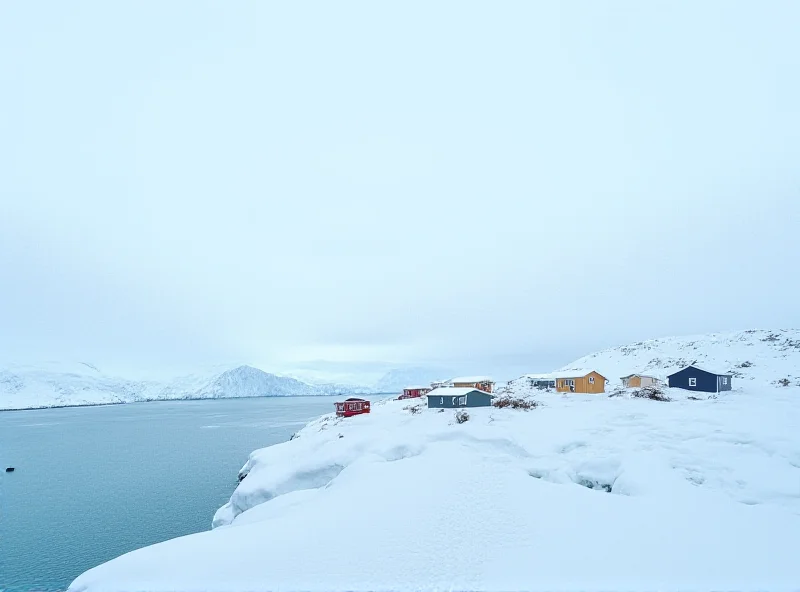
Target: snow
471, 379
53, 384
585, 492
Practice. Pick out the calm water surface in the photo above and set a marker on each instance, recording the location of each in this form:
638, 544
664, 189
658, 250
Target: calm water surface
92, 483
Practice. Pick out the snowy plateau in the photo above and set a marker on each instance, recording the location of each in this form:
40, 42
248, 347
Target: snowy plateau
55, 384
582, 492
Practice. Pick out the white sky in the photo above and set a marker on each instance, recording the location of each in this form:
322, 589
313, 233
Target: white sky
493, 187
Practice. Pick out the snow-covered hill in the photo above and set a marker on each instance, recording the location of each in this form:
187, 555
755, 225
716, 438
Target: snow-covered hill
754, 357
57, 384
583, 492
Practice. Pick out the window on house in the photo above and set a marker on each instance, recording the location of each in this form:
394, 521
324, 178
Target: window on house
692, 382
724, 380
591, 380
441, 400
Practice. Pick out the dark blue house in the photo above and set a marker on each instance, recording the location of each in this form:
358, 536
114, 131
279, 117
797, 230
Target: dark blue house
693, 378
451, 397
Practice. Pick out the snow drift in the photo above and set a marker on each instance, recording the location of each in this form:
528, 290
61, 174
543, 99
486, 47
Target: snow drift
585, 492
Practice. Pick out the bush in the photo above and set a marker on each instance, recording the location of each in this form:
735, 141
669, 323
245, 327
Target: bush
783, 382
514, 403
694, 398
650, 392
413, 409
745, 365
462, 416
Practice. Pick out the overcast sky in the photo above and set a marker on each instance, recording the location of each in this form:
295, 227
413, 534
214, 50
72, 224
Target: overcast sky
493, 187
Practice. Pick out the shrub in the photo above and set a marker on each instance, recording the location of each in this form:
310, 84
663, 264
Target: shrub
744, 365
514, 403
413, 409
462, 416
783, 382
694, 398
650, 392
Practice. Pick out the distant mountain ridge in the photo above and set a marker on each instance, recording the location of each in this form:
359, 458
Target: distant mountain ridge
56, 385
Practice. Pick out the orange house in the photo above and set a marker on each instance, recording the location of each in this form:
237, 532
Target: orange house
580, 381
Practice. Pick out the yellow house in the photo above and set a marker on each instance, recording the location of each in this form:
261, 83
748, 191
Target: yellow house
580, 381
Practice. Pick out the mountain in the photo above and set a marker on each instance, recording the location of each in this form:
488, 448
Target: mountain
756, 356
55, 384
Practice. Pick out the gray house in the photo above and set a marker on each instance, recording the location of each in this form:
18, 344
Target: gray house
452, 397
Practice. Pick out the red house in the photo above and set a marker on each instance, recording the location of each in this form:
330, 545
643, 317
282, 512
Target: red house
412, 392
352, 406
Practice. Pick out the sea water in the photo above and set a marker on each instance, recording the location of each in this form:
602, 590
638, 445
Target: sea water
92, 483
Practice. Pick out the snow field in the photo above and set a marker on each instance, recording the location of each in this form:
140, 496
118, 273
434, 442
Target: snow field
584, 493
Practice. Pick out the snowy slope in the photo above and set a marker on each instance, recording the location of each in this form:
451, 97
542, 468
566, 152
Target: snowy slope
584, 492
55, 384
755, 357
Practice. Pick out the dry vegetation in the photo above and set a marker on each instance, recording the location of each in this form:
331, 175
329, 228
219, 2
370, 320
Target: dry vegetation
507, 401
653, 393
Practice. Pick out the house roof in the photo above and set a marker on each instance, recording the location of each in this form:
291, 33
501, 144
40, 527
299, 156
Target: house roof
696, 367
415, 388
573, 373
471, 379
641, 374
455, 391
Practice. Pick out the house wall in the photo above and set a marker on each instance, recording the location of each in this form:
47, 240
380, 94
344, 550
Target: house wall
633, 382
724, 382
706, 381
479, 399
475, 398
647, 381
582, 385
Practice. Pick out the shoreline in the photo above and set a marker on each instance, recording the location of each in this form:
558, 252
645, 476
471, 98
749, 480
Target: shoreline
66, 406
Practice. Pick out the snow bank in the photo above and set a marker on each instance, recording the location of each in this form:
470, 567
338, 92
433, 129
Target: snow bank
583, 493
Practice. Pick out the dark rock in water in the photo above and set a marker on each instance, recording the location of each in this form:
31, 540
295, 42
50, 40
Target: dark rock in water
9, 469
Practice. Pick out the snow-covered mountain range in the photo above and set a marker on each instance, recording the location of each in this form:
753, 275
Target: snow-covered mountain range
756, 356
54, 384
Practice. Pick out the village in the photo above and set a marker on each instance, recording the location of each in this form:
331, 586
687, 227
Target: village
479, 391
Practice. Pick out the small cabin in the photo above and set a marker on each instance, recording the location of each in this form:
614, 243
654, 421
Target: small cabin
352, 406
413, 392
580, 381
483, 383
639, 380
694, 378
455, 397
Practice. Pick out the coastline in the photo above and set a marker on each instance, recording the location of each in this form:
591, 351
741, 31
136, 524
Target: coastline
63, 406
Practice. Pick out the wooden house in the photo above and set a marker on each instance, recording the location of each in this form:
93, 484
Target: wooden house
638, 380
454, 397
412, 392
694, 378
352, 406
580, 381
483, 383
